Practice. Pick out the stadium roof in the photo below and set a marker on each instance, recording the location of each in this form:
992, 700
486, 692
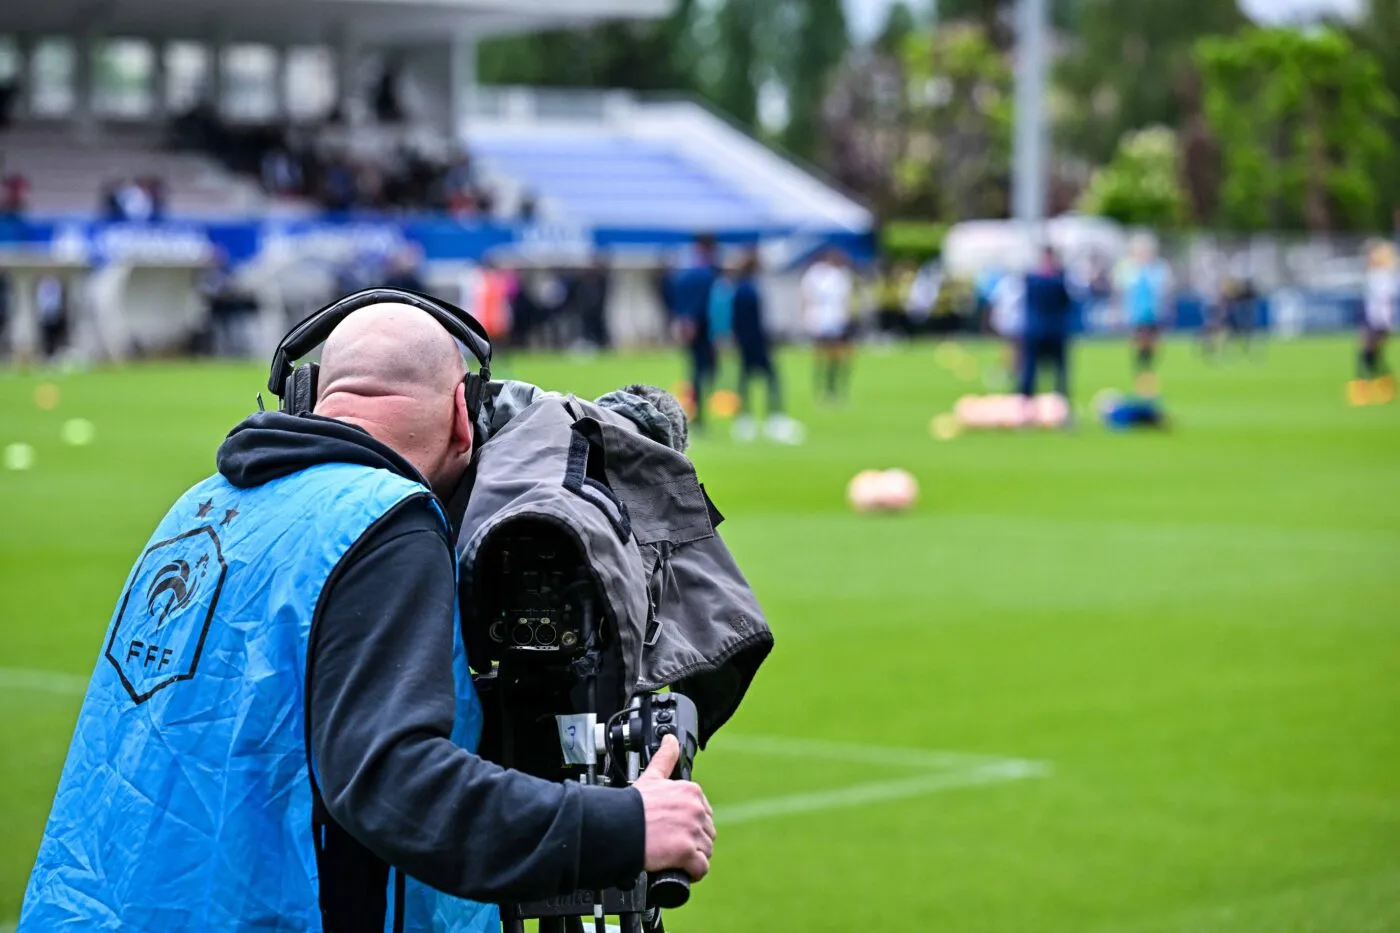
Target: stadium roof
378, 22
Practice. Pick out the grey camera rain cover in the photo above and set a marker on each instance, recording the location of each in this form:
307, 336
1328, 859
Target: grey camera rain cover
684, 614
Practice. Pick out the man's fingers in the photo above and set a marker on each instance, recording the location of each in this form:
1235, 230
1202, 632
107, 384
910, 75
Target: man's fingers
665, 759
699, 866
709, 829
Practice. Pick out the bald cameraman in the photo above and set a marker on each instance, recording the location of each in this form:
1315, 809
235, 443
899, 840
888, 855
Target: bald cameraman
325, 665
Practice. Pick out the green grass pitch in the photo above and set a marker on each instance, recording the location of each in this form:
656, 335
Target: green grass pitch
1093, 683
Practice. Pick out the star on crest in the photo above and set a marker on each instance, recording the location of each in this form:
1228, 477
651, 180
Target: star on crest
204, 508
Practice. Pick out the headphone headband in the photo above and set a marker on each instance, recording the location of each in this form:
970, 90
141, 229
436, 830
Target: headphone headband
318, 326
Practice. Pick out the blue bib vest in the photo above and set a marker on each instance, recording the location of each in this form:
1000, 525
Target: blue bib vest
1145, 292
186, 800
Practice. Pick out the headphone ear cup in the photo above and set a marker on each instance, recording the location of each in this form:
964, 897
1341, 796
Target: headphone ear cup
474, 388
300, 396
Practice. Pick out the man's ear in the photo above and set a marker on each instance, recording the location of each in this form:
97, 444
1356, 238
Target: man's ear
461, 421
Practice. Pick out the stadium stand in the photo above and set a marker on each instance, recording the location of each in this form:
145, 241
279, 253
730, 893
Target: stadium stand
66, 177
227, 171
613, 159
613, 178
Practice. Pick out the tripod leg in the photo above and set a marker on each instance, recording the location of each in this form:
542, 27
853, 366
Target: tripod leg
553, 925
630, 923
512, 926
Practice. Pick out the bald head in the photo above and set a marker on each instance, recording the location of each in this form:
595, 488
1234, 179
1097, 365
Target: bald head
388, 349
396, 372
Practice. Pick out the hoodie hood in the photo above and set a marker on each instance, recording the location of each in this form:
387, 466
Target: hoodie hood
272, 444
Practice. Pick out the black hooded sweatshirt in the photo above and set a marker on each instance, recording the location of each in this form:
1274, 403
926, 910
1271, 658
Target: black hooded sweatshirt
380, 713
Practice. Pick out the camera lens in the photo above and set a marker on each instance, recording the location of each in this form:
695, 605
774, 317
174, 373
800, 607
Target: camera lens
545, 633
522, 633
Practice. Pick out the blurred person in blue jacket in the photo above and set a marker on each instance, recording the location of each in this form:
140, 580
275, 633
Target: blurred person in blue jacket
756, 359
1049, 312
688, 291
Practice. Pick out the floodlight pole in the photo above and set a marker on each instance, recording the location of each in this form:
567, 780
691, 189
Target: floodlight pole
1029, 173
461, 92
84, 114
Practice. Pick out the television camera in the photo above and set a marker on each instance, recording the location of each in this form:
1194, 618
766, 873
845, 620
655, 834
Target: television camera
553, 660
600, 610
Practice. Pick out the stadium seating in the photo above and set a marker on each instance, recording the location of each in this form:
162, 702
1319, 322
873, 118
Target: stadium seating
66, 176
617, 179
614, 160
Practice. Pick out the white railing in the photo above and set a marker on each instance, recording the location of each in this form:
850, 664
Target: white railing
528, 105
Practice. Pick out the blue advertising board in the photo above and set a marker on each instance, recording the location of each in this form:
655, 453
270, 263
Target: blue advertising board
439, 238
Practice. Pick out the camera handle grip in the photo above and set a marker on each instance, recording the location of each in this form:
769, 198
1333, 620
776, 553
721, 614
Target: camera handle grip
668, 889
670, 714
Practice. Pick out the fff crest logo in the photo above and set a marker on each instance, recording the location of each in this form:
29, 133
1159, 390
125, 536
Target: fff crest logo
165, 612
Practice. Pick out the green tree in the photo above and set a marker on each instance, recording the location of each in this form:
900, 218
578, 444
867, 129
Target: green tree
1130, 65
998, 17
865, 128
822, 41
1141, 186
1299, 117
1379, 33
643, 56
738, 28
899, 23
993, 17
955, 155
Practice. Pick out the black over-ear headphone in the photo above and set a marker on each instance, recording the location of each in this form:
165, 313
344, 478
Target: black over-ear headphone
297, 387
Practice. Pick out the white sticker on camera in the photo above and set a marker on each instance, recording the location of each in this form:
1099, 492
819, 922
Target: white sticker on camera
576, 738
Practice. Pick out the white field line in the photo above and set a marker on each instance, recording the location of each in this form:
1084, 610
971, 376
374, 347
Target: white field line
854, 752
859, 795
35, 681
941, 770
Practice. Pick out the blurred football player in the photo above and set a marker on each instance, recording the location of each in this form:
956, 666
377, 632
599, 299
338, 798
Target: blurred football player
756, 359
1144, 281
688, 290
826, 288
1374, 382
1008, 319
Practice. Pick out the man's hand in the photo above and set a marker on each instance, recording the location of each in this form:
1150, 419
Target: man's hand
680, 823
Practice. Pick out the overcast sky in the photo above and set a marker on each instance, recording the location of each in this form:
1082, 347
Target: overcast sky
866, 16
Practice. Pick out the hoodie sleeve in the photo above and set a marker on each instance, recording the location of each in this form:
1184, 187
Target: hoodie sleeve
381, 705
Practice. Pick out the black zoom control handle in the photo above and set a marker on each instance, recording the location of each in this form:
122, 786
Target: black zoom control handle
670, 714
